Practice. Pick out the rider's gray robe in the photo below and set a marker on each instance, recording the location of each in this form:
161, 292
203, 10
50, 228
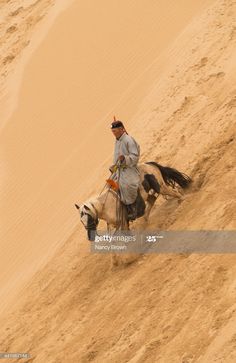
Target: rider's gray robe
129, 176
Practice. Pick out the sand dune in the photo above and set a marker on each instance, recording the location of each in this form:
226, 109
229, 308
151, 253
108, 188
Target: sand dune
74, 80
23, 26
161, 308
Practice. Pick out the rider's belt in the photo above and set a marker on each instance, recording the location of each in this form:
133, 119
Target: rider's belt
123, 166
116, 167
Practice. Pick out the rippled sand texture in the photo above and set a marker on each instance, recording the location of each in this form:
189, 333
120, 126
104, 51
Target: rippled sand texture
172, 82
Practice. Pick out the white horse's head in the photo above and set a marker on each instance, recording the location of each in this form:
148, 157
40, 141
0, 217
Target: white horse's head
89, 218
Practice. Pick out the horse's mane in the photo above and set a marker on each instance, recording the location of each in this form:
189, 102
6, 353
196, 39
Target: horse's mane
95, 199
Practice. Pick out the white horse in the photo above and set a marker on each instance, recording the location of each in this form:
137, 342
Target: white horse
155, 180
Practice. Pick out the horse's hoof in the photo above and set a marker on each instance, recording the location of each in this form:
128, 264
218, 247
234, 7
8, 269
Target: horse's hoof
114, 261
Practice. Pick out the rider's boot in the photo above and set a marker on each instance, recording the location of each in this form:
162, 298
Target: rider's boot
131, 211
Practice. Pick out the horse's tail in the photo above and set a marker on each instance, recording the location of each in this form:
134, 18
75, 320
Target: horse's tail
172, 176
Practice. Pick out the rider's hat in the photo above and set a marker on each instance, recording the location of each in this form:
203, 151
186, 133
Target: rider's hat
116, 124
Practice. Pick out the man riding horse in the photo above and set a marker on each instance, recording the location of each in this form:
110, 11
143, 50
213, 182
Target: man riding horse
138, 186
127, 175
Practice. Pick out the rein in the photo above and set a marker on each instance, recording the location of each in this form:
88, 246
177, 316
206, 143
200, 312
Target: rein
119, 208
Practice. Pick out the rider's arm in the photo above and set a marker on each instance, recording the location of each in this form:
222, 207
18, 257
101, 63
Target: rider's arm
131, 159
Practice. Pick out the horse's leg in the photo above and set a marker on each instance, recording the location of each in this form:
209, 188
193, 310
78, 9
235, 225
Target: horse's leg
114, 260
148, 211
126, 225
167, 190
152, 197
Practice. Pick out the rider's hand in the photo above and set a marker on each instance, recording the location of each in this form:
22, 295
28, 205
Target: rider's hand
112, 168
121, 158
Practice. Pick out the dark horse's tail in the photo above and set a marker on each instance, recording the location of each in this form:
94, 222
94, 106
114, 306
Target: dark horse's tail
172, 176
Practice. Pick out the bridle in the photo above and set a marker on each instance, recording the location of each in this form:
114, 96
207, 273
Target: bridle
92, 224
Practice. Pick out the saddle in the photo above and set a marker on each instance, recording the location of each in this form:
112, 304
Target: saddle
136, 209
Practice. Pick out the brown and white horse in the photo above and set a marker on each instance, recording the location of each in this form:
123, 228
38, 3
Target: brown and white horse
155, 180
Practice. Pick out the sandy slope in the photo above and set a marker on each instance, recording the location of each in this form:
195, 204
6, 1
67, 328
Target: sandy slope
23, 25
93, 58
167, 308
